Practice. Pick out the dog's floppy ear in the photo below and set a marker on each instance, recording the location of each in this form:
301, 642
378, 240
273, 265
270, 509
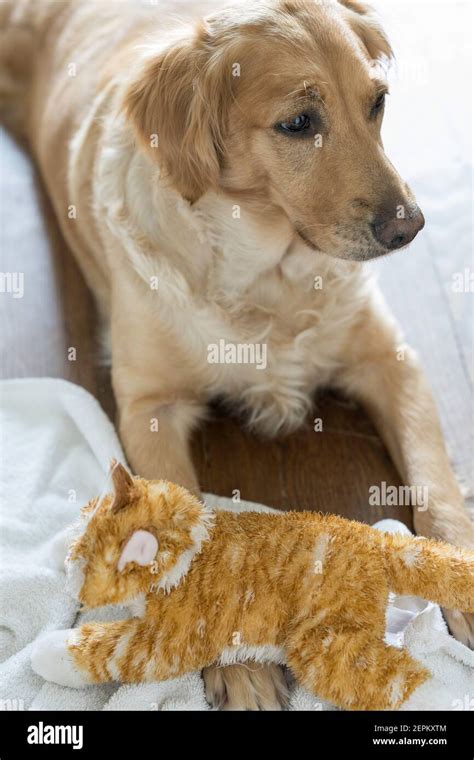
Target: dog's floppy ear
177, 104
366, 26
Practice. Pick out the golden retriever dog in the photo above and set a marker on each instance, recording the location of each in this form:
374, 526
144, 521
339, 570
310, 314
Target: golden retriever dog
204, 172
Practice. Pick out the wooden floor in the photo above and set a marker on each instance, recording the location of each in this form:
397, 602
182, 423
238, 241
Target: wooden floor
330, 470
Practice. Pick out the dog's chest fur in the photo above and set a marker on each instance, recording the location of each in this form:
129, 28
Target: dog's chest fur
222, 278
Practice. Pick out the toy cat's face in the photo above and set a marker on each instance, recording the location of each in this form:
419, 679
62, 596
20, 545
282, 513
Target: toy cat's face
140, 538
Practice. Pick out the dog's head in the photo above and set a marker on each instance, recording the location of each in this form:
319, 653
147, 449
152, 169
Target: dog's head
281, 102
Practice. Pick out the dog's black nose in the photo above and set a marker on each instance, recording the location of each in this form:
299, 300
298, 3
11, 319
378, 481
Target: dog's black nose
398, 226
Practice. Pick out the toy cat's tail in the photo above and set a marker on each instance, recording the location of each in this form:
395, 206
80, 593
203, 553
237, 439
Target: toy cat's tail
431, 569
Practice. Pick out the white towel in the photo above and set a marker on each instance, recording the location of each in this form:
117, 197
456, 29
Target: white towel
56, 443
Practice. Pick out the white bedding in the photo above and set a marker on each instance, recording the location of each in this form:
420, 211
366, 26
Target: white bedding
56, 443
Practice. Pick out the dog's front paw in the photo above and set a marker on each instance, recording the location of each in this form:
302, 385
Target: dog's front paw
246, 687
461, 625
52, 660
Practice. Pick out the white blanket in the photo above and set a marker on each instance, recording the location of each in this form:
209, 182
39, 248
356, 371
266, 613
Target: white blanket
56, 444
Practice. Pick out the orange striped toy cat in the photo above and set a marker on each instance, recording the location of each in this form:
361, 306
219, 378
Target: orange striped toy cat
299, 588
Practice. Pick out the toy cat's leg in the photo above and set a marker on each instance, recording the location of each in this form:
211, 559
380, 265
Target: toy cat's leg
352, 669
52, 660
98, 653
337, 651
386, 377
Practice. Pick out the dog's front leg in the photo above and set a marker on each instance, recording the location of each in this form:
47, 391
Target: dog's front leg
155, 433
158, 403
384, 375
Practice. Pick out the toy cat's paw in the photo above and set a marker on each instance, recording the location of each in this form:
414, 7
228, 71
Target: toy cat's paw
58, 548
461, 625
51, 659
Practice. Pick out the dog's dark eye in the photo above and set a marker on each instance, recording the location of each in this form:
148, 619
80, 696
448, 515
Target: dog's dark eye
300, 123
378, 105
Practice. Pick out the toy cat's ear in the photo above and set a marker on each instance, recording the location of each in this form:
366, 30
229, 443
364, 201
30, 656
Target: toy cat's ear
123, 486
140, 548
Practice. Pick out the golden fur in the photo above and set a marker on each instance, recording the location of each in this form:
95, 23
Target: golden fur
232, 218
302, 588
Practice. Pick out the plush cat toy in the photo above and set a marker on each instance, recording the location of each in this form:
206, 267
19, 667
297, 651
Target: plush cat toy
299, 588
